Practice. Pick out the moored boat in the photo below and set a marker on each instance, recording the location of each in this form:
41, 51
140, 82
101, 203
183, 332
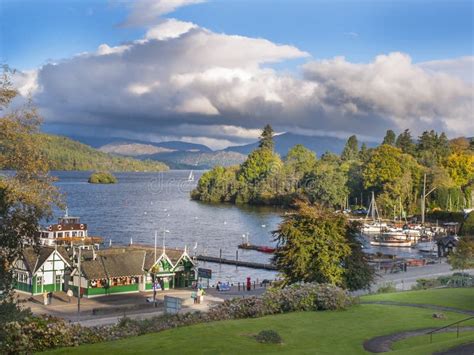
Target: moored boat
68, 231
388, 241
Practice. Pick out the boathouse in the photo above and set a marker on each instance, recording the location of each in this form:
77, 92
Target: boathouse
446, 245
43, 271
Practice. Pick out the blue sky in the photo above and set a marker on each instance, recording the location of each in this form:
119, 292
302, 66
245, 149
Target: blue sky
34, 32
214, 72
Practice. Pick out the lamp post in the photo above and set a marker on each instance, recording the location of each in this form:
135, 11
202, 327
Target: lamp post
79, 284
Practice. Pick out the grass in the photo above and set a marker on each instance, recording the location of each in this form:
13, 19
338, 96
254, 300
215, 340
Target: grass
310, 332
462, 298
421, 341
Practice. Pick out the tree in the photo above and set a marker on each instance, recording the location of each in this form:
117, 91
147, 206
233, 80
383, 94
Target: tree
351, 149
459, 145
358, 274
405, 142
300, 160
392, 175
389, 138
462, 258
311, 245
266, 138
363, 153
460, 167
432, 149
27, 197
326, 184
316, 245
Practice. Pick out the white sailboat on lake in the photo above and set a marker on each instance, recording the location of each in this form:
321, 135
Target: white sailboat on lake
376, 226
191, 176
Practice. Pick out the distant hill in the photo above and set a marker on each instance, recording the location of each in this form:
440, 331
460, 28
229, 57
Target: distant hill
184, 155
199, 160
67, 154
178, 155
133, 149
98, 142
284, 142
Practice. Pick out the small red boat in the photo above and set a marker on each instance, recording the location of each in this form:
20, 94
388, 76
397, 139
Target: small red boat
260, 248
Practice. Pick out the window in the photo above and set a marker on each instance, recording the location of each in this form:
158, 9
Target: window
59, 278
39, 281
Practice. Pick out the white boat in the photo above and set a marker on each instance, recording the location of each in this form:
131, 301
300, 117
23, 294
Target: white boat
427, 246
399, 235
375, 227
391, 242
191, 176
68, 231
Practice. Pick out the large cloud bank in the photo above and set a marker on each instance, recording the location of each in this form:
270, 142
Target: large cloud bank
183, 81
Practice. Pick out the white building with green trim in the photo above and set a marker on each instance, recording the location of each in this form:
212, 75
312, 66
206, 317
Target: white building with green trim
43, 271
121, 270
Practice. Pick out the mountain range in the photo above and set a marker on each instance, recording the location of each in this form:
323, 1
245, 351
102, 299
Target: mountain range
184, 155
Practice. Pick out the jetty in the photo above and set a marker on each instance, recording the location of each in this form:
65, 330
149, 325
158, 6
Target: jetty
250, 264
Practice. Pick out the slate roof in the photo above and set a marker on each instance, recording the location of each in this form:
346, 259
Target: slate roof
93, 269
123, 261
35, 258
447, 240
113, 264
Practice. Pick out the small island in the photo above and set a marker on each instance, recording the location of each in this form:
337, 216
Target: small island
102, 178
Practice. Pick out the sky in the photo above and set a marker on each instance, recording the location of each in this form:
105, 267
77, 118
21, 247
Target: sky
214, 72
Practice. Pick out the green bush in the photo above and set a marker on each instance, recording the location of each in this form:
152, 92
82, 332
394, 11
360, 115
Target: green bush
387, 288
269, 337
424, 284
467, 227
102, 178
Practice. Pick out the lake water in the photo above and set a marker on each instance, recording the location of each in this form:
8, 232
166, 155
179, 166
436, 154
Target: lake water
142, 203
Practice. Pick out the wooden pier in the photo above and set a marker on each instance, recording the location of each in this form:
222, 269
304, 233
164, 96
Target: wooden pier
250, 264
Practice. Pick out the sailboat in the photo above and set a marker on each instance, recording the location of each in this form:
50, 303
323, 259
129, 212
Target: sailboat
376, 225
191, 176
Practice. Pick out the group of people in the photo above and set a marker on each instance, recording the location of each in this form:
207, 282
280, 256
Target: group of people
198, 296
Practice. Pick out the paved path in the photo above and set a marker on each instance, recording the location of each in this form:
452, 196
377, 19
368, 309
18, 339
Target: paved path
465, 349
384, 343
420, 305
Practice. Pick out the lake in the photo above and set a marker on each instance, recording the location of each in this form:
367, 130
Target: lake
142, 203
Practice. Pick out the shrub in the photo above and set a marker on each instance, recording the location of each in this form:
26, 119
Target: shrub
424, 284
387, 288
269, 337
467, 228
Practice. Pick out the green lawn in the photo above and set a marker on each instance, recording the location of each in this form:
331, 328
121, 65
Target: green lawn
303, 333
442, 338
341, 332
462, 298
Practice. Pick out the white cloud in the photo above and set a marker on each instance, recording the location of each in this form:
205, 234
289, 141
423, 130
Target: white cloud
185, 81
169, 28
147, 12
393, 90
462, 67
104, 49
26, 82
